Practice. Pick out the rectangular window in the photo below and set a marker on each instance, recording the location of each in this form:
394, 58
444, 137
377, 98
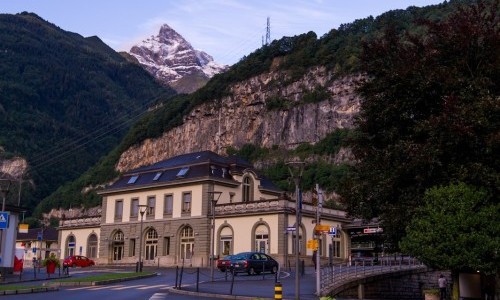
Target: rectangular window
151, 206
166, 246
186, 202
168, 205
131, 249
118, 209
134, 207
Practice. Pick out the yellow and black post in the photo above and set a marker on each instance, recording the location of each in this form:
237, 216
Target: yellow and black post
278, 291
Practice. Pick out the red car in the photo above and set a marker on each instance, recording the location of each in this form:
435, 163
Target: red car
223, 264
78, 261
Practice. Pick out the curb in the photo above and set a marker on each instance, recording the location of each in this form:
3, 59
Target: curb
211, 295
29, 291
102, 282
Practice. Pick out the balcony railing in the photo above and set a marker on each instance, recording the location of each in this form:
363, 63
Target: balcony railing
80, 222
270, 206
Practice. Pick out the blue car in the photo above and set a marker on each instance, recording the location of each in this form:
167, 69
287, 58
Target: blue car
253, 263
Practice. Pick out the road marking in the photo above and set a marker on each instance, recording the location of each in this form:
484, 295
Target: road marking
94, 287
128, 287
159, 296
152, 287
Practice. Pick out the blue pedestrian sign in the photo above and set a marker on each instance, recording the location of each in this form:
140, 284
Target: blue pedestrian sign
332, 231
4, 219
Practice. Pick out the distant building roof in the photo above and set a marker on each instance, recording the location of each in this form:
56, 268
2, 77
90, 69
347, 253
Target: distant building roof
48, 234
191, 166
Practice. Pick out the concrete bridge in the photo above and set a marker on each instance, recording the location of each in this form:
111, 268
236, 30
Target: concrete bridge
389, 279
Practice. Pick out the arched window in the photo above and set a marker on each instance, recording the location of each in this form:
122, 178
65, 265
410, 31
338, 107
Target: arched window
187, 242
262, 239
247, 188
226, 241
70, 245
117, 245
151, 244
92, 246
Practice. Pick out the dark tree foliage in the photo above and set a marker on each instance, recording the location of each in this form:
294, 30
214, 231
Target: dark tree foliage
430, 115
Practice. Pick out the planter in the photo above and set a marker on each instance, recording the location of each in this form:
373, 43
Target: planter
431, 294
51, 267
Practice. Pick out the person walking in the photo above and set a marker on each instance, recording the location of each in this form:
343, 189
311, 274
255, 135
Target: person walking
442, 287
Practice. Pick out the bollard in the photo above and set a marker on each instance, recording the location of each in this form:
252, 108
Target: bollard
197, 278
232, 280
176, 276
278, 291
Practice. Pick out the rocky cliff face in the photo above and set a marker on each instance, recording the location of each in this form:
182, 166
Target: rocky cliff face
244, 117
170, 58
13, 168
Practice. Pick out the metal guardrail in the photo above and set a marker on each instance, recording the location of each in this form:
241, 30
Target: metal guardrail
333, 277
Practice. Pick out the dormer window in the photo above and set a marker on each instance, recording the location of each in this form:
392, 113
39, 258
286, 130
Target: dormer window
247, 188
133, 179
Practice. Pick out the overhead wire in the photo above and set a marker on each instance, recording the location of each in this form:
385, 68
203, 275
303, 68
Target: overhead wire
64, 149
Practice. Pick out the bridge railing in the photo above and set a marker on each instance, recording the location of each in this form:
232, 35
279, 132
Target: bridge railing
337, 275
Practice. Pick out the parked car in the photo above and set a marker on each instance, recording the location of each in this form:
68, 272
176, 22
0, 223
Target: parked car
224, 263
78, 261
253, 263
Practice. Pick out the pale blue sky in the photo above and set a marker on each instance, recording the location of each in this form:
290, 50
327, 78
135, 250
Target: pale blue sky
225, 29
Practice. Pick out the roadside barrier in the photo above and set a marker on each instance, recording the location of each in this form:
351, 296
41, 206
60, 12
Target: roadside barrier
278, 291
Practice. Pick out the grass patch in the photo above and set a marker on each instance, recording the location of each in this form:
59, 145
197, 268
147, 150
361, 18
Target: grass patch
19, 287
104, 277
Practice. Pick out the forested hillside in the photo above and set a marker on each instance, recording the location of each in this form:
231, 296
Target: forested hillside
339, 51
65, 101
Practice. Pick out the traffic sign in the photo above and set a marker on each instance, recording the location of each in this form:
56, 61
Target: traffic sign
322, 228
312, 244
332, 231
39, 236
290, 228
4, 219
372, 230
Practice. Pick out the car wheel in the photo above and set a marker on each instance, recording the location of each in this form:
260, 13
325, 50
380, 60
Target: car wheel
222, 269
74, 265
274, 269
251, 271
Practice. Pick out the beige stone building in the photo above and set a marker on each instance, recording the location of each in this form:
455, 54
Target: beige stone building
164, 214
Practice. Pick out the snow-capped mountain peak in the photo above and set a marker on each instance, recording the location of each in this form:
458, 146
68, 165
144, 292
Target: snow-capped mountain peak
170, 58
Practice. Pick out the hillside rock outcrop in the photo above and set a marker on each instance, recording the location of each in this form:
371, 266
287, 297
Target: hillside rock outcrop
244, 117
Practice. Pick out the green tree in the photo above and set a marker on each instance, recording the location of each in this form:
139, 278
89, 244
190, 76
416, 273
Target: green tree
429, 115
456, 229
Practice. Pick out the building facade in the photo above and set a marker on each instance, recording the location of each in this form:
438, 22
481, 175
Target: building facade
164, 213
80, 236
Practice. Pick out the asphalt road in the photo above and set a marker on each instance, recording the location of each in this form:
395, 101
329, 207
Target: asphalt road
159, 287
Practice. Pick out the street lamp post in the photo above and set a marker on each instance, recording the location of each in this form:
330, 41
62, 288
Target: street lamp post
142, 210
214, 197
4, 189
296, 168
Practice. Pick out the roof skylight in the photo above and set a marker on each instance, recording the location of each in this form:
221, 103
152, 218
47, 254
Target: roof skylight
157, 176
183, 172
133, 179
